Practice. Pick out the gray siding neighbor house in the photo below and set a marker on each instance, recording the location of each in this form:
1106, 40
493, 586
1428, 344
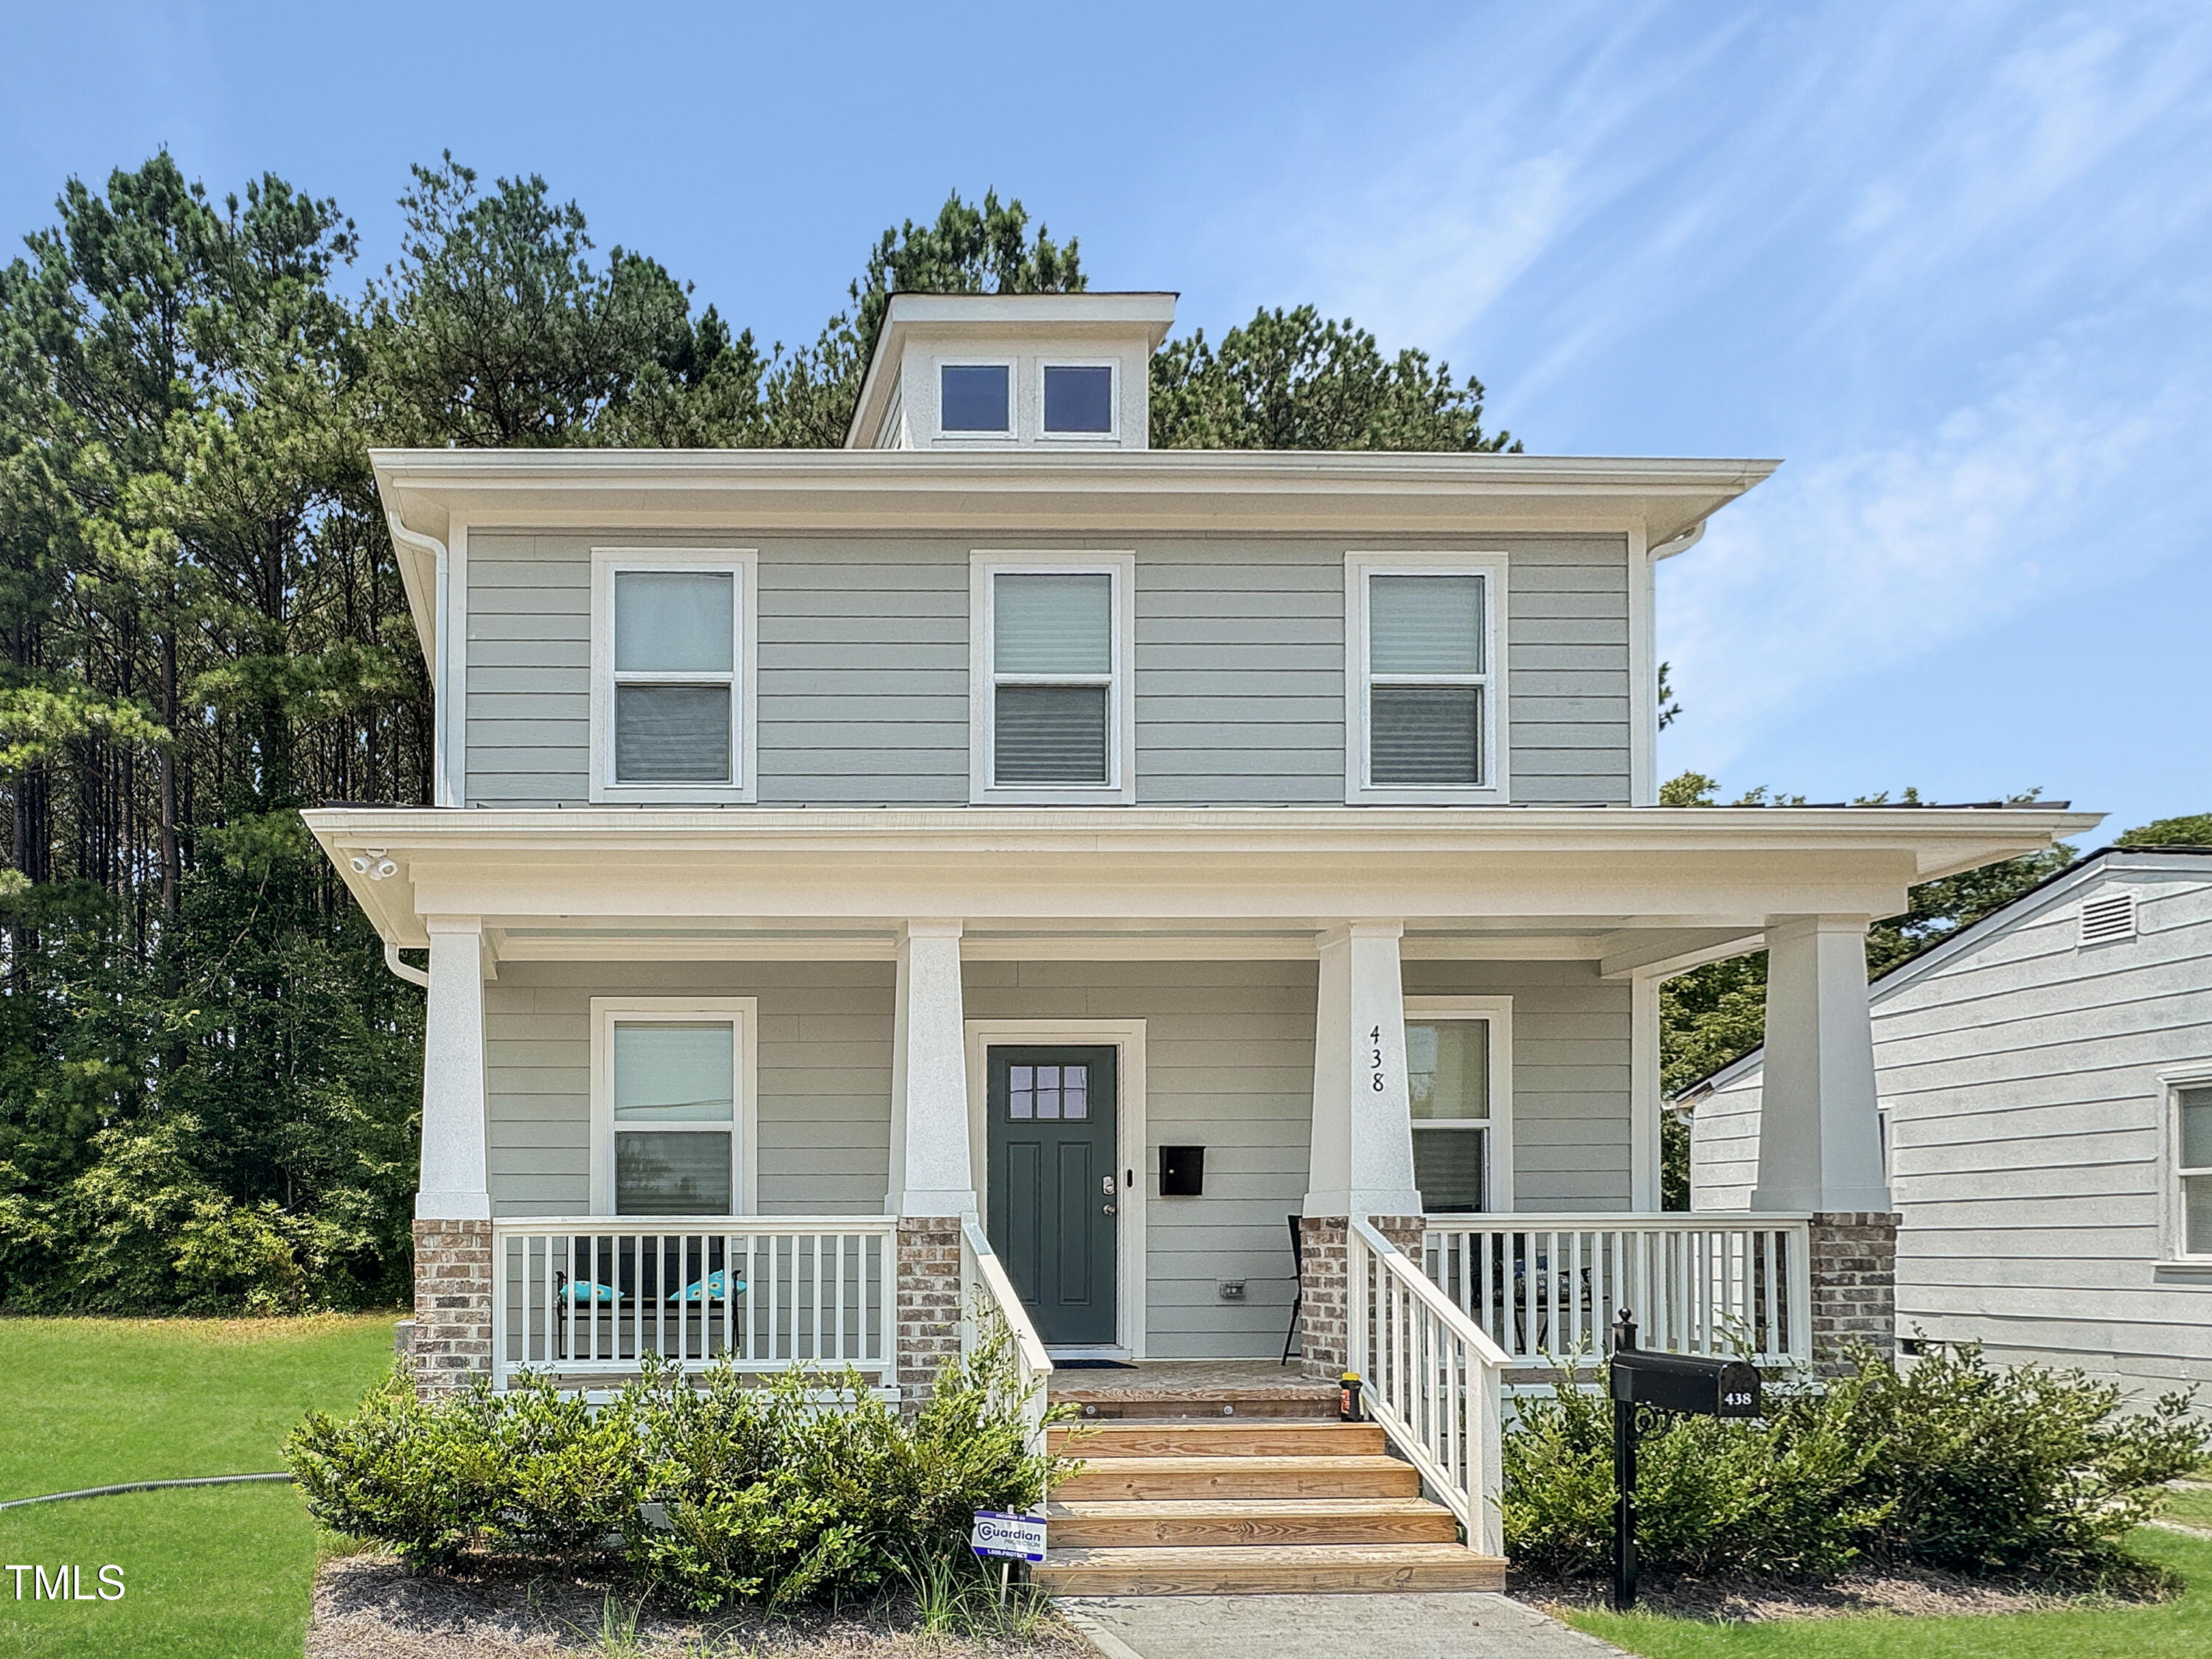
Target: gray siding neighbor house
1182, 900
2044, 1079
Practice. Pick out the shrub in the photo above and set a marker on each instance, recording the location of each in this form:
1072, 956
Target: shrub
721, 1487
1952, 1464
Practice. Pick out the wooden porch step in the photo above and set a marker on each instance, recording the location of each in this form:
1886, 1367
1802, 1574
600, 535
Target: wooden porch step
1301, 1399
1107, 1523
1217, 1438
1137, 1480
1264, 1569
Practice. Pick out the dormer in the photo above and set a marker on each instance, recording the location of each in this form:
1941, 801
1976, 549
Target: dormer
1069, 372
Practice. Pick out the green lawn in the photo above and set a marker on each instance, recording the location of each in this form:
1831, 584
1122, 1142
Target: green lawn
2191, 1504
92, 1402
2180, 1629
222, 1571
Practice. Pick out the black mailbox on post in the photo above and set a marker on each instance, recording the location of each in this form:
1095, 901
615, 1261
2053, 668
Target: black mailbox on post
1685, 1382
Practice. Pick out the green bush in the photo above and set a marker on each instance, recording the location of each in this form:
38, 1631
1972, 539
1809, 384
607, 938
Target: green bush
1952, 1464
721, 1487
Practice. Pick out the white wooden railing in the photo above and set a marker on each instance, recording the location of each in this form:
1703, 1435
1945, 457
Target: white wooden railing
1544, 1288
982, 1273
1431, 1379
589, 1296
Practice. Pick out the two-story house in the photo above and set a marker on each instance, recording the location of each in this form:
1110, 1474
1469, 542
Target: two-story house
1167, 875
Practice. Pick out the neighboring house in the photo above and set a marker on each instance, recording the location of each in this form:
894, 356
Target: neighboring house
2046, 1082
996, 845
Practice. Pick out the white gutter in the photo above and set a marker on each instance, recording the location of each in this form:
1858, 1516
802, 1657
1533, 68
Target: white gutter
412, 976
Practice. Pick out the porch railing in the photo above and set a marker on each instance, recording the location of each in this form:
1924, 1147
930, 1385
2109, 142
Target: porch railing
981, 1270
1544, 1286
1433, 1380
590, 1297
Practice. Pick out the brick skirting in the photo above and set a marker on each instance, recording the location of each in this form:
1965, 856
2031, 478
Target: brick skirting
451, 1342
1324, 1286
928, 1302
1853, 1266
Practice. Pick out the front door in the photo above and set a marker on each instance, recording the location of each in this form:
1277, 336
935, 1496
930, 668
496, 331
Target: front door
1053, 1190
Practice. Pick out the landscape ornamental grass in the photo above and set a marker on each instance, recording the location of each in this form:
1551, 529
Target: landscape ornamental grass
1952, 1464
721, 1488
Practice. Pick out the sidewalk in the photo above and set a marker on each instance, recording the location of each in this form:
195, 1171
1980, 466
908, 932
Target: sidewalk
1461, 1625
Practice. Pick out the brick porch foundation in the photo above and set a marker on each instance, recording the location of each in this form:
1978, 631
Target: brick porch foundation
928, 1302
451, 1344
1854, 1268
1324, 1284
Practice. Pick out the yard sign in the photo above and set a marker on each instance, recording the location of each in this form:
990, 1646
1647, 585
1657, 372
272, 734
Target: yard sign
1008, 1537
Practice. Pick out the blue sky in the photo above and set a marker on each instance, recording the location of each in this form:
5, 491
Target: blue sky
1952, 263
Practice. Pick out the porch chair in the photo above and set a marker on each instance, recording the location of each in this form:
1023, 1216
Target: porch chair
1298, 1303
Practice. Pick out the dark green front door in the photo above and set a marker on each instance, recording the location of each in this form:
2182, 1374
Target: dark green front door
1053, 1188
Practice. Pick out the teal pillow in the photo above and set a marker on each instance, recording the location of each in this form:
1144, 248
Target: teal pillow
709, 1289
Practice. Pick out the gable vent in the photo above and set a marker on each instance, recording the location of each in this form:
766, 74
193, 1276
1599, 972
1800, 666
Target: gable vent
2109, 919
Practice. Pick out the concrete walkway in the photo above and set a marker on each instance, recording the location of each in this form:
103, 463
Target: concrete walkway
1458, 1625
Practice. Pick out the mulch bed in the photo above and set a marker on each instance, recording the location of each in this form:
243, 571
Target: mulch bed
1912, 1592
366, 1606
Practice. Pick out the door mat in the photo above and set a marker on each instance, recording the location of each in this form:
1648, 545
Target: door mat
1092, 1366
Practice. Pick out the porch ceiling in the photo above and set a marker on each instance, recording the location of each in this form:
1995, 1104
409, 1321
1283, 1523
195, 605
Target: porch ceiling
1634, 889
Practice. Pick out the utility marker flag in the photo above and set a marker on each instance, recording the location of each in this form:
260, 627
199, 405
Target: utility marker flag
1008, 1537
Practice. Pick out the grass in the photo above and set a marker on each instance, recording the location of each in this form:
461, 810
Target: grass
2180, 1629
2191, 1506
222, 1571
93, 1402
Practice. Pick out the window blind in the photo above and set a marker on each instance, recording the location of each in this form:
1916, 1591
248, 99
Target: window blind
675, 621
1052, 664
1425, 663
671, 734
671, 625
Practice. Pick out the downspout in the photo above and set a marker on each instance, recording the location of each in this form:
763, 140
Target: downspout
412, 976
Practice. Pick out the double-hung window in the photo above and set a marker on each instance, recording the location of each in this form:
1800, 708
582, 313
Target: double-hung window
671, 1101
1459, 1061
1051, 672
2191, 1139
671, 674
1426, 683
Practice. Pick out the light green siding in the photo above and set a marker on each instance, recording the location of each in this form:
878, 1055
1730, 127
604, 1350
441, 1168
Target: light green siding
863, 672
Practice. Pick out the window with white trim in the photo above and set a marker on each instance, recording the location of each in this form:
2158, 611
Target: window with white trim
2191, 1141
1051, 704
1456, 1065
1425, 687
669, 1106
1077, 400
670, 675
976, 400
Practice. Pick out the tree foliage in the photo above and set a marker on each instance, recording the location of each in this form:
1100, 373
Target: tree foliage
209, 1084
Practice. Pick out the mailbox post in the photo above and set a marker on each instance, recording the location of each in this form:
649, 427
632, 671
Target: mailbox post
1695, 1383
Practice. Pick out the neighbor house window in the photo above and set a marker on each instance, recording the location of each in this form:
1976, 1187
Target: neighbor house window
1078, 398
669, 694
1425, 684
1052, 696
975, 400
1458, 1055
2192, 1168
669, 1102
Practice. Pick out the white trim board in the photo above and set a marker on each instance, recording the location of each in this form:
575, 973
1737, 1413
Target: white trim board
1131, 1314
744, 1012
744, 565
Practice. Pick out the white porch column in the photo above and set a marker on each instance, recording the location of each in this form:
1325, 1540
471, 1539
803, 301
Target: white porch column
1820, 1139
1362, 1160
931, 1173
454, 1184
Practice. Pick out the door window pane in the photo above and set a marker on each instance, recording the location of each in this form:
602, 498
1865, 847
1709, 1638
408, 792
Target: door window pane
1450, 1168
673, 1172
674, 1071
672, 734
1049, 734
1447, 1069
1424, 625
1079, 399
1060, 626
1424, 734
675, 621
972, 398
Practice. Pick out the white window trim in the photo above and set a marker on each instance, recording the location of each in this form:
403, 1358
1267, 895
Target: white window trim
744, 563
2174, 1220
1006, 434
1499, 1011
1358, 790
984, 567
1113, 432
744, 1015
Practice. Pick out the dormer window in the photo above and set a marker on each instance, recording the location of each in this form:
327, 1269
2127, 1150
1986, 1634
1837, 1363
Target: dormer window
1079, 399
975, 399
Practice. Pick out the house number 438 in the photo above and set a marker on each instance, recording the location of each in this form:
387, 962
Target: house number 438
1375, 1059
